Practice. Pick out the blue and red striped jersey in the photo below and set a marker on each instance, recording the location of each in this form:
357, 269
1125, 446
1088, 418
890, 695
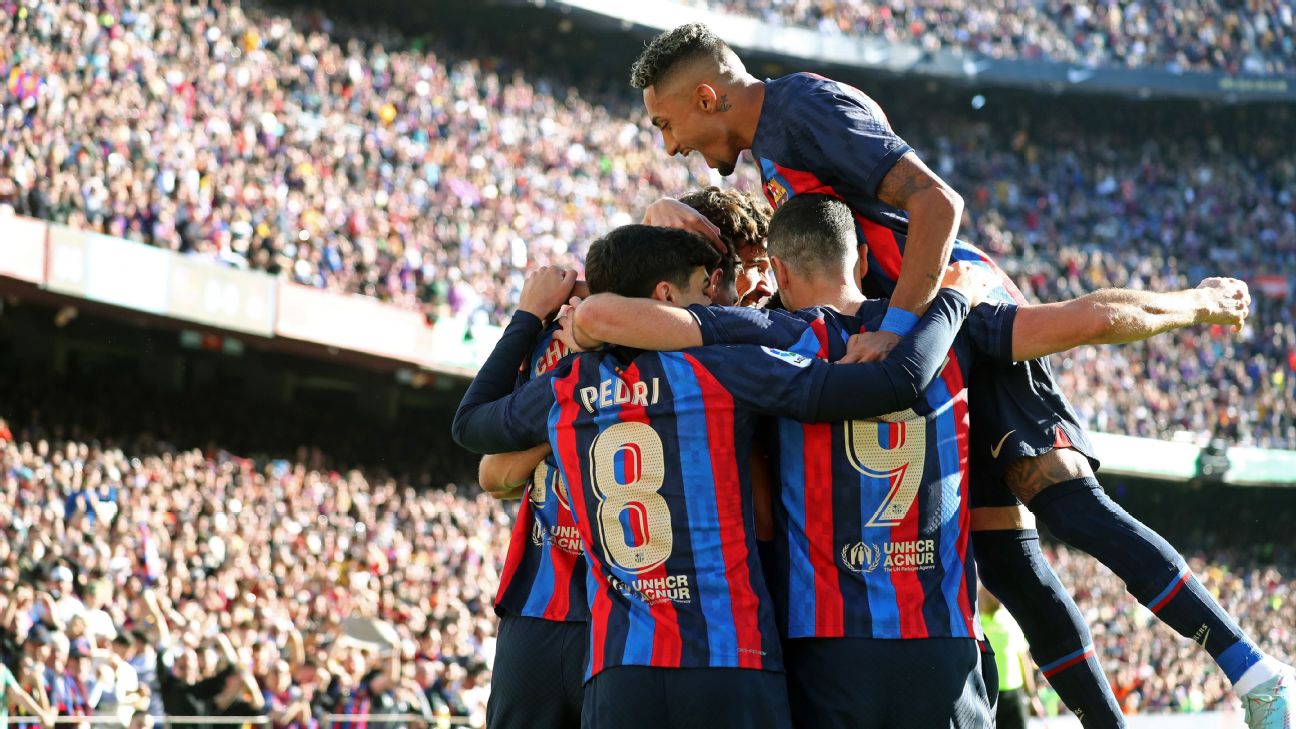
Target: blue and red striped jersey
544, 570
654, 449
816, 135
872, 515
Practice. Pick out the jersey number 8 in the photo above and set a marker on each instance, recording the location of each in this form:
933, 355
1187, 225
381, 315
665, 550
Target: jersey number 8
901, 460
634, 520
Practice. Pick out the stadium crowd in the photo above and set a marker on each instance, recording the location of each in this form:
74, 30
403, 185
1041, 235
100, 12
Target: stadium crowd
1151, 669
121, 568
1257, 37
433, 180
156, 580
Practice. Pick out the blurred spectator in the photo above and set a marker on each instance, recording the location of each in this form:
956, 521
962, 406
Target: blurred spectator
1177, 35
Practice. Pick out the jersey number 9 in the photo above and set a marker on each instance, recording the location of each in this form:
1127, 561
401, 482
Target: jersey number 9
893, 447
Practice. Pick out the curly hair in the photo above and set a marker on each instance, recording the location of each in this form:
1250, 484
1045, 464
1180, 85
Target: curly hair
664, 53
742, 219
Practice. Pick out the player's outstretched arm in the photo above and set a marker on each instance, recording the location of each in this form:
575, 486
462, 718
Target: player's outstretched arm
504, 475
632, 322
870, 389
1120, 316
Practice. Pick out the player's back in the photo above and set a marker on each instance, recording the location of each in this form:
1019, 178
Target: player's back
654, 448
875, 511
818, 135
872, 516
544, 570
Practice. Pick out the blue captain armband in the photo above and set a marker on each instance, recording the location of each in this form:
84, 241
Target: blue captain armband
898, 321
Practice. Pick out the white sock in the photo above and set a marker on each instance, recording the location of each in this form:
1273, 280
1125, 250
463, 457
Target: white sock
1267, 668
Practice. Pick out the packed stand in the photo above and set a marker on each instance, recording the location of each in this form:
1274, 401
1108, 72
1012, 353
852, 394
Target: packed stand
146, 581
418, 177
1202, 35
435, 178
1151, 669
1067, 211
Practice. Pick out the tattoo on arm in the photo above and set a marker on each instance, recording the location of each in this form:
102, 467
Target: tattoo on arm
723, 103
1027, 477
907, 177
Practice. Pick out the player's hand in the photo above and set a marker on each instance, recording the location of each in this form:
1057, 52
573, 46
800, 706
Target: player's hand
969, 279
545, 290
869, 347
671, 213
566, 327
1228, 302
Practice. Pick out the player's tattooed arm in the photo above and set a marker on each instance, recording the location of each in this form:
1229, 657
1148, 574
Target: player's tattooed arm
1027, 477
504, 475
1120, 316
934, 211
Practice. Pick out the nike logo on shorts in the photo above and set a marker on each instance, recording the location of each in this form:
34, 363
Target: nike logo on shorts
994, 451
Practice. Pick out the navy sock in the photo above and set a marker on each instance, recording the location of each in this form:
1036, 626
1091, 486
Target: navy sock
1079, 513
1012, 567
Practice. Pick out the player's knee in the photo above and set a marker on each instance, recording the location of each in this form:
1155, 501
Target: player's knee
1027, 477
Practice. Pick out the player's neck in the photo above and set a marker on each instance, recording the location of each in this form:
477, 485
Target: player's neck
844, 297
750, 93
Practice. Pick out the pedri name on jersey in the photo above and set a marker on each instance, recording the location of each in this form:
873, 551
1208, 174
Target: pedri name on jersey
615, 391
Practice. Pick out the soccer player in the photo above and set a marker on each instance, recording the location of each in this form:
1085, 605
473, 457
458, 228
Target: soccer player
653, 447
540, 655
738, 221
854, 583
812, 134
538, 675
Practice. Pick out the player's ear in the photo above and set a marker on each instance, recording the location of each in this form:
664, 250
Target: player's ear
664, 292
706, 98
861, 264
780, 270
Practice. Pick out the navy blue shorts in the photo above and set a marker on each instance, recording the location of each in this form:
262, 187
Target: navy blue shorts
538, 680
1016, 411
641, 697
869, 683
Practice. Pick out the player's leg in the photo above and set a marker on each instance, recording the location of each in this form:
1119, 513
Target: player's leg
1012, 567
989, 674
642, 697
833, 683
1060, 488
575, 659
528, 685
627, 696
726, 698
936, 683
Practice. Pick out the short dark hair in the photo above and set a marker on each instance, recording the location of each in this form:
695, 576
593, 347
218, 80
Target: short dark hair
813, 233
668, 50
633, 259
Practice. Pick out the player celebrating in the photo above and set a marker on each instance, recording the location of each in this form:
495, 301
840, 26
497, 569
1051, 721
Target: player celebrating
654, 450
812, 134
540, 653
540, 656
846, 575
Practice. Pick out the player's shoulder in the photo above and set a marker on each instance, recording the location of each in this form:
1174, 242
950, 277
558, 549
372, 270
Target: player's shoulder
739, 360
547, 352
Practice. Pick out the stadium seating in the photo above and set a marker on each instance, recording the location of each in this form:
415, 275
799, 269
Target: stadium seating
1203, 35
432, 181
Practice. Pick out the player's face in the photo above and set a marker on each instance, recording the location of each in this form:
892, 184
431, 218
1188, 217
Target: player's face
697, 291
755, 278
690, 121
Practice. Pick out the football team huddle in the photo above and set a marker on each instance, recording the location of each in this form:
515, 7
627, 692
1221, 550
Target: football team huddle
765, 460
